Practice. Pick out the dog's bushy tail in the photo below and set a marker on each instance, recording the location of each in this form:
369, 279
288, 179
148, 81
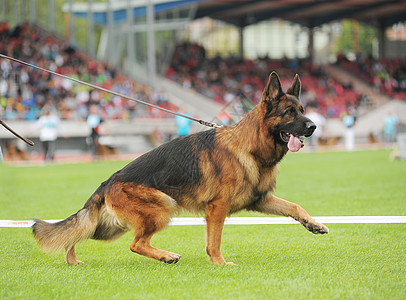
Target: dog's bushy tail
64, 235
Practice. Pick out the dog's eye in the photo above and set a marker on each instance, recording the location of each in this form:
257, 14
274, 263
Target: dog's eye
291, 111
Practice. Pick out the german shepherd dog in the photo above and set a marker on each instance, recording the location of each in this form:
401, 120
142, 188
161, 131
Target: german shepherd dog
219, 171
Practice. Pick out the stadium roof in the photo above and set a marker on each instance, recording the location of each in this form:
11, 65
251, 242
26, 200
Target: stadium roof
309, 13
120, 8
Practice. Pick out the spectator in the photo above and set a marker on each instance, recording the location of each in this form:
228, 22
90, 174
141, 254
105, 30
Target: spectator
391, 121
93, 121
50, 127
349, 120
183, 124
320, 122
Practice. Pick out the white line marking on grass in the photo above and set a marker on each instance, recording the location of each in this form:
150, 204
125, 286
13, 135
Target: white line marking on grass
254, 221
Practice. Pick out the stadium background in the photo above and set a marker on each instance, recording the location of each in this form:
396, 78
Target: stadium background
204, 57
354, 261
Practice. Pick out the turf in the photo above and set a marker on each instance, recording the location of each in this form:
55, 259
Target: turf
354, 261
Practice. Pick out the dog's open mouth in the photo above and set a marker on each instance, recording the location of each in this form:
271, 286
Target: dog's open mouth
294, 142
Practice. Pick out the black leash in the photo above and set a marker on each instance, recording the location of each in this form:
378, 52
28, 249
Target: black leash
209, 124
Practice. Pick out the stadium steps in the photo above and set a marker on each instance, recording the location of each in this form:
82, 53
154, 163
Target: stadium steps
193, 102
190, 101
377, 99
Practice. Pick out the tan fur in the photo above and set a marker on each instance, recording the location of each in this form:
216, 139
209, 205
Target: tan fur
65, 235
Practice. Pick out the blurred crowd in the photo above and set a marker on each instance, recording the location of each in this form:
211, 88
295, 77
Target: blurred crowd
225, 79
385, 75
25, 92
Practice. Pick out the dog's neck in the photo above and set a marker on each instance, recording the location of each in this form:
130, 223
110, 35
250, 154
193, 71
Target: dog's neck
250, 137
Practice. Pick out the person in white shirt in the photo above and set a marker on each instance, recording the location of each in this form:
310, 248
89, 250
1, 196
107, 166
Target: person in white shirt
320, 122
50, 127
94, 121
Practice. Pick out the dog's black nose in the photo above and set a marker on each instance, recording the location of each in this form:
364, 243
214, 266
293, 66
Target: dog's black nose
310, 128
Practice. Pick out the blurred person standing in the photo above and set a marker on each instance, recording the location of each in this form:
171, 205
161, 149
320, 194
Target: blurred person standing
183, 124
320, 122
390, 128
49, 124
349, 120
93, 121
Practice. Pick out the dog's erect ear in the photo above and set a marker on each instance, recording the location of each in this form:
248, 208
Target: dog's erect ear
295, 87
273, 89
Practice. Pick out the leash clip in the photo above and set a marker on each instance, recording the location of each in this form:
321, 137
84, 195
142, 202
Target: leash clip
208, 124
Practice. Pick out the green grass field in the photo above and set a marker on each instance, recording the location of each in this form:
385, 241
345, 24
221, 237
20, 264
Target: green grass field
354, 261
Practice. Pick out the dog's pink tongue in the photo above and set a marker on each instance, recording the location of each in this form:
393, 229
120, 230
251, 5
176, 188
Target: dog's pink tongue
294, 143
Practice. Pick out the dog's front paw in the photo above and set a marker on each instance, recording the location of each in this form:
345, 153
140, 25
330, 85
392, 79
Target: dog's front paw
314, 227
171, 258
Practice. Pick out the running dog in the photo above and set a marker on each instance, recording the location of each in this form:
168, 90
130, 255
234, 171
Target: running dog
218, 172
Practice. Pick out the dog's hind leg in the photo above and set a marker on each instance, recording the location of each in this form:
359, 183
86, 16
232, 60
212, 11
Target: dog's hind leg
70, 256
277, 206
147, 211
142, 246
